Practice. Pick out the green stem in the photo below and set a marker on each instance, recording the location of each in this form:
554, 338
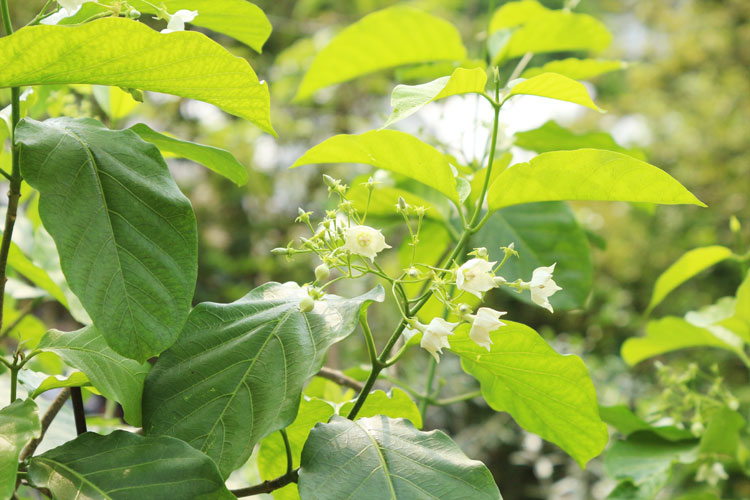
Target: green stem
424, 403
456, 399
13, 382
42, 14
491, 160
288, 448
368, 338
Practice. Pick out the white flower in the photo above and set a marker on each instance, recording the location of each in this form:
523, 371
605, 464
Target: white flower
485, 321
364, 240
711, 474
71, 6
542, 286
475, 276
178, 19
435, 336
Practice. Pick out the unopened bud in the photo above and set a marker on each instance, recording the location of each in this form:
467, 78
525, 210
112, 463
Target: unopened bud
280, 251
322, 272
412, 272
697, 428
306, 304
734, 225
133, 14
402, 206
370, 184
330, 181
464, 309
303, 216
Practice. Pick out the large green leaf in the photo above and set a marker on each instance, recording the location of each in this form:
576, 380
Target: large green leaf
408, 99
554, 86
388, 38
380, 458
75, 379
219, 160
553, 137
534, 28
627, 422
586, 174
272, 453
722, 437
393, 404
577, 69
671, 334
39, 277
543, 233
124, 466
390, 150
546, 393
684, 268
116, 377
237, 370
19, 424
125, 233
126, 53
239, 19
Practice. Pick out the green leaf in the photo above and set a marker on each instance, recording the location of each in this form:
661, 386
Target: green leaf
408, 99
553, 137
239, 19
543, 233
477, 181
627, 422
546, 393
554, 86
23, 265
577, 69
739, 320
123, 465
384, 199
534, 28
391, 37
380, 458
390, 150
219, 160
114, 101
670, 334
646, 460
115, 376
75, 379
393, 404
684, 268
586, 174
272, 453
19, 424
125, 233
222, 400
722, 435
126, 53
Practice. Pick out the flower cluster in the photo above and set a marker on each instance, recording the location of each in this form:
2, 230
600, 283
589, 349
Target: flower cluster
345, 244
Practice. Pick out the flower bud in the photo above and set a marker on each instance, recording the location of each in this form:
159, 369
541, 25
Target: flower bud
322, 272
412, 272
734, 225
464, 309
330, 181
306, 304
280, 251
402, 206
697, 428
370, 184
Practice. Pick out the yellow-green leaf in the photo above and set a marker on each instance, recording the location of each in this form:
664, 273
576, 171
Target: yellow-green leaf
390, 150
555, 86
126, 53
577, 69
586, 174
391, 37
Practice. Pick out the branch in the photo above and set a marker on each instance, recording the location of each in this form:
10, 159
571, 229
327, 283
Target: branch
267, 486
340, 378
47, 419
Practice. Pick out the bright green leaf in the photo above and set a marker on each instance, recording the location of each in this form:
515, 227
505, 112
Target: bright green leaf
408, 99
391, 37
553, 137
19, 424
222, 400
75, 379
543, 233
272, 453
380, 458
219, 160
554, 86
239, 19
684, 268
577, 69
546, 393
586, 174
670, 334
114, 101
477, 181
126, 53
390, 150
97, 187
23, 265
116, 377
722, 436
534, 28
627, 422
123, 466
394, 404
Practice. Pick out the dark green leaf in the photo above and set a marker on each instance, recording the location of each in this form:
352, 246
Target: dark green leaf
237, 370
125, 233
380, 458
543, 233
125, 466
19, 424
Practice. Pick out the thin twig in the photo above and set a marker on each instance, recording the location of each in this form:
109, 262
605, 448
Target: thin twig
78, 412
340, 378
47, 419
267, 486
